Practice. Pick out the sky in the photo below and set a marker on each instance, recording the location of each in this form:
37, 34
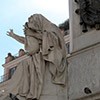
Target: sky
13, 15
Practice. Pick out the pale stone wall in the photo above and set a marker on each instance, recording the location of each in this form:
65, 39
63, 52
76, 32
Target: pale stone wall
84, 61
84, 71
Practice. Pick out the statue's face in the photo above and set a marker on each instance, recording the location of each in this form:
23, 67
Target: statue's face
30, 22
25, 27
30, 25
28, 28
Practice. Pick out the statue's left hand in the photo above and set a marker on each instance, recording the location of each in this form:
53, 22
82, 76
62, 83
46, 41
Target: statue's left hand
10, 33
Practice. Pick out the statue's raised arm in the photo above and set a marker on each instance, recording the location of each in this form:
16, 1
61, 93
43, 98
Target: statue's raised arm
16, 37
45, 43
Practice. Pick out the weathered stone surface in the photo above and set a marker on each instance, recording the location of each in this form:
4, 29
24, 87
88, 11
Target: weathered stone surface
84, 71
52, 91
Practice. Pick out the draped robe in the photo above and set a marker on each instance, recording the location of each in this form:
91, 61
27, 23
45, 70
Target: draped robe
46, 44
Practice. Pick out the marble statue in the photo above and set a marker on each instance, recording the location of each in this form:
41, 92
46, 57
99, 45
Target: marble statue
45, 47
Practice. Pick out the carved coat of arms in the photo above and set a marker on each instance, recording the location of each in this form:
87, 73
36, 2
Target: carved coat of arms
89, 11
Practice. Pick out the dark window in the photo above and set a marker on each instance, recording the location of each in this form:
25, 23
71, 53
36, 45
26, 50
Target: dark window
68, 48
11, 71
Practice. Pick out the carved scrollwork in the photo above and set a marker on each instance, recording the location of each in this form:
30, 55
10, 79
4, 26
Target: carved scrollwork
89, 11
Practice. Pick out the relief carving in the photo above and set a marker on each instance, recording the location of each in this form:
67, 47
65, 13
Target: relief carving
89, 11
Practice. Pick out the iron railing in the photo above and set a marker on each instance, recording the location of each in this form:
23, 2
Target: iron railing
4, 77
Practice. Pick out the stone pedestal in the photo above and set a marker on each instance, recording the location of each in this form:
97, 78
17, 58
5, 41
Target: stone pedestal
84, 71
84, 62
52, 91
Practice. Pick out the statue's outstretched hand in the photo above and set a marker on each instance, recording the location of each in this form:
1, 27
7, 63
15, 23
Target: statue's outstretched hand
10, 33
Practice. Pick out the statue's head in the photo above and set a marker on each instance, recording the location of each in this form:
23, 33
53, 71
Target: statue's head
37, 25
38, 22
33, 22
